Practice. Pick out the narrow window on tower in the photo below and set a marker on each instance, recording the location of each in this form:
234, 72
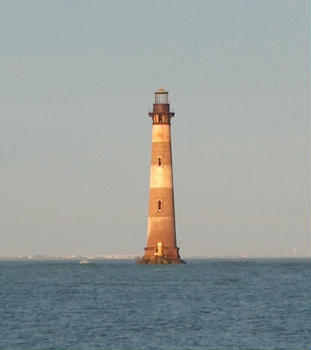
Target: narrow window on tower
160, 118
159, 205
159, 161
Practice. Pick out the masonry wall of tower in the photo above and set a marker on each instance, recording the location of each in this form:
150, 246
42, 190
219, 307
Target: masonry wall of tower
161, 233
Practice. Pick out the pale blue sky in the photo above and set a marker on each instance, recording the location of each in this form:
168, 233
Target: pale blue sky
76, 82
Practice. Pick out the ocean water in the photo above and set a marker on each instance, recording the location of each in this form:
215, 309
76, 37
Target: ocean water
204, 304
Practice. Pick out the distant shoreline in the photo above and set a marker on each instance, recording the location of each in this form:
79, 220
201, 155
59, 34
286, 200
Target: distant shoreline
131, 257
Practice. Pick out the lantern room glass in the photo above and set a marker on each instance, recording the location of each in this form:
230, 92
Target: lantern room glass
161, 98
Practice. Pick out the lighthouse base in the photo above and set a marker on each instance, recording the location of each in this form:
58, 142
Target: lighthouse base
160, 255
155, 260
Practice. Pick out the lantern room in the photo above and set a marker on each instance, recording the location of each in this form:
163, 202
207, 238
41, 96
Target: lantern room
161, 96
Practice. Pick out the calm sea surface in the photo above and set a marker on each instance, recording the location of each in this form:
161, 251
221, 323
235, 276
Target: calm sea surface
205, 304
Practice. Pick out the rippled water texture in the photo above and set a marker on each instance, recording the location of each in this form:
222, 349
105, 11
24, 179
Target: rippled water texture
205, 304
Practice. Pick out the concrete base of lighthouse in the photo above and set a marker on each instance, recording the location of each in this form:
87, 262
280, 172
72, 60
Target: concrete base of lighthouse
154, 260
151, 257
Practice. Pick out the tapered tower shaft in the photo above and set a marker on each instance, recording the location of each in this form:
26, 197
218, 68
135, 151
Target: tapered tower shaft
161, 233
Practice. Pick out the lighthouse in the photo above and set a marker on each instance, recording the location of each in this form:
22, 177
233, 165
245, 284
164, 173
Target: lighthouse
161, 233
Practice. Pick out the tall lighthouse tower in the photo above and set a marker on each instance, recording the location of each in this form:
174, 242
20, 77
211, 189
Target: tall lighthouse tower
161, 236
